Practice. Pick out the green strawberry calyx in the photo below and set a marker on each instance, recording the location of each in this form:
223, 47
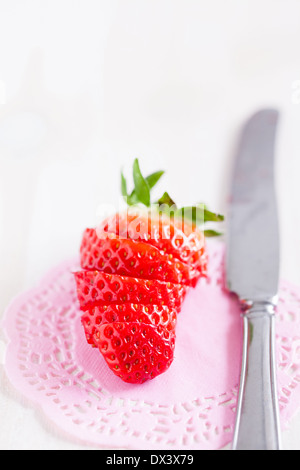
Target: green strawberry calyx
197, 214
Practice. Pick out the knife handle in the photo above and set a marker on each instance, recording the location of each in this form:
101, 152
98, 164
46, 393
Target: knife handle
257, 420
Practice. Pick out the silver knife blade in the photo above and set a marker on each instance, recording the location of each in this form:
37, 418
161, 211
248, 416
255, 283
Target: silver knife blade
252, 274
253, 235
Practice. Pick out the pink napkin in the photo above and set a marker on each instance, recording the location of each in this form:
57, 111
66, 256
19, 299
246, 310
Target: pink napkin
191, 406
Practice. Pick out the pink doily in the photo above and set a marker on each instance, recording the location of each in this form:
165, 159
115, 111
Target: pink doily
191, 406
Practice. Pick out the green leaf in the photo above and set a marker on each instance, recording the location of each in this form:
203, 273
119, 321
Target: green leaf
141, 186
123, 185
212, 233
141, 192
128, 199
167, 200
212, 217
194, 214
153, 178
199, 214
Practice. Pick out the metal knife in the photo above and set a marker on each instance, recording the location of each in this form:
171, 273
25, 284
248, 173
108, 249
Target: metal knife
252, 271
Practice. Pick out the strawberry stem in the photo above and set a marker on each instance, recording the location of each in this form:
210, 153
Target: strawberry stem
141, 194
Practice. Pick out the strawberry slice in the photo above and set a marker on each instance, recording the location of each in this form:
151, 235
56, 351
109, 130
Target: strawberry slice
98, 288
163, 318
112, 254
182, 240
135, 352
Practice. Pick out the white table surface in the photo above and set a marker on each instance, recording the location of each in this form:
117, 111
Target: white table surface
88, 85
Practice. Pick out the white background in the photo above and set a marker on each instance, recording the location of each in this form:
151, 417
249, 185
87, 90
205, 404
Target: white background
88, 85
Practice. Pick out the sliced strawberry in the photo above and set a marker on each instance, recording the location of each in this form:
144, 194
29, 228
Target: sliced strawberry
136, 269
112, 254
172, 236
163, 318
98, 288
135, 352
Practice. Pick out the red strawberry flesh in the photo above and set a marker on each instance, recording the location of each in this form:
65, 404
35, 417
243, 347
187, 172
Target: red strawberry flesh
112, 254
172, 236
135, 272
98, 288
163, 318
135, 352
